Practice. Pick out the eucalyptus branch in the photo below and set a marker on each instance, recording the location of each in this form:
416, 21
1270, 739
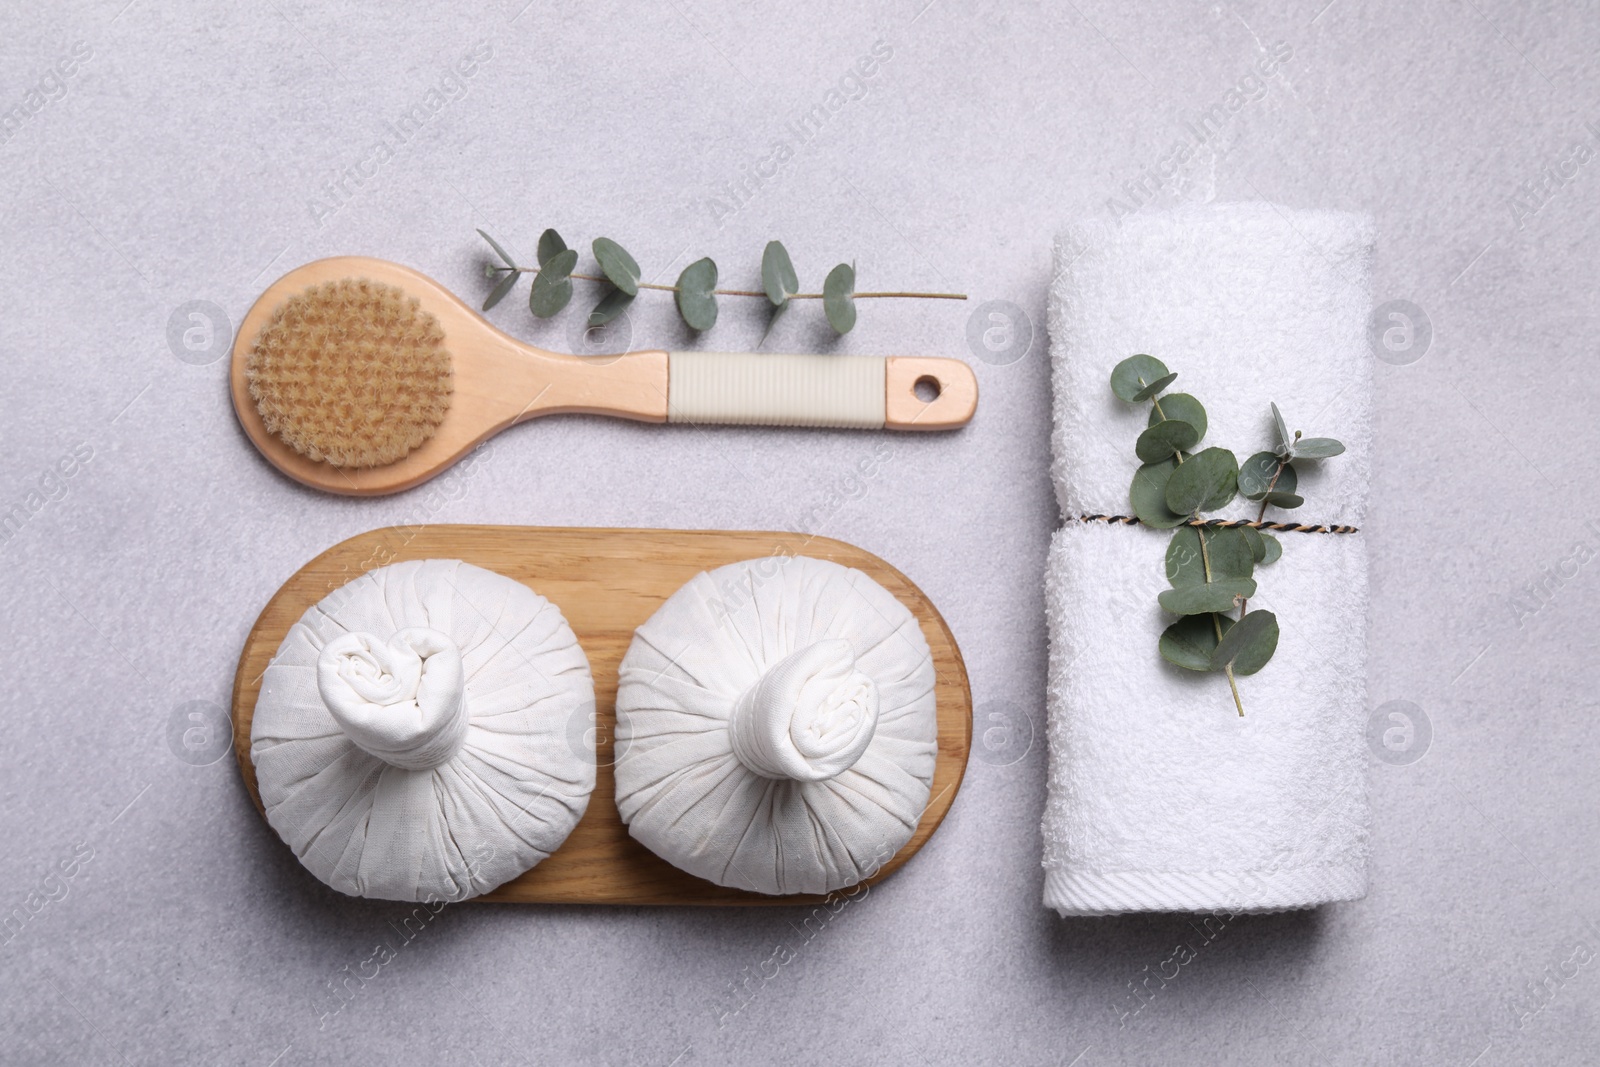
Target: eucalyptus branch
695, 292
1210, 576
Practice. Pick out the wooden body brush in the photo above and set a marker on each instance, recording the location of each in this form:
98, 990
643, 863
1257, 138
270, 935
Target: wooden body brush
363, 377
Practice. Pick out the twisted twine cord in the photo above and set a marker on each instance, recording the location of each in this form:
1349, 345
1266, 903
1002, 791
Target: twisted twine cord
1228, 524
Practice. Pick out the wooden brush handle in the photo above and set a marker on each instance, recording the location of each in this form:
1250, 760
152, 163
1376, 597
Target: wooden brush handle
862, 392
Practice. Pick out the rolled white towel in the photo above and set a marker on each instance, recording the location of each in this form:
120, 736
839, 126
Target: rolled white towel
1161, 798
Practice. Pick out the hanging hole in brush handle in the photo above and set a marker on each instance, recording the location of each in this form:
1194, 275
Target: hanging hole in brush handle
862, 392
927, 393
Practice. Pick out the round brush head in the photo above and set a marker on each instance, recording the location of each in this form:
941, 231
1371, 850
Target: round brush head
351, 372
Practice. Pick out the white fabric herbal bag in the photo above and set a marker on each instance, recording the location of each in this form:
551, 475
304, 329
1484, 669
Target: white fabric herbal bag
776, 726
420, 734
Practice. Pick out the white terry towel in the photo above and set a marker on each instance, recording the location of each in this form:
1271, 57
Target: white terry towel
1160, 797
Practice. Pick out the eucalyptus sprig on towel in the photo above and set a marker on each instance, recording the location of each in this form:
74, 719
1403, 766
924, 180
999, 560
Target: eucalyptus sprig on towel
1211, 567
696, 291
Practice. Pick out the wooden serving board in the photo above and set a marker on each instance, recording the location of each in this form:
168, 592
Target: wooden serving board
607, 582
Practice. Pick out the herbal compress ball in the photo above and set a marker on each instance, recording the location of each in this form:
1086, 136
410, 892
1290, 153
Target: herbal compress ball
419, 734
776, 727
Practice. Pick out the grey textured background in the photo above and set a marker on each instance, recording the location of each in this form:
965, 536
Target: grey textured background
180, 162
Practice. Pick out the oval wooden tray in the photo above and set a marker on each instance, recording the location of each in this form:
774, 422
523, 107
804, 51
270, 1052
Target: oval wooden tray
606, 582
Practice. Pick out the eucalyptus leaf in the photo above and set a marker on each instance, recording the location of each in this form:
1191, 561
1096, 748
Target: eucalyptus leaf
1206, 597
610, 306
1248, 644
1204, 482
777, 274
1274, 549
1256, 474
1317, 448
547, 298
1252, 537
1160, 441
550, 246
1134, 373
696, 303
552, 286
559, 266
772, 321
1228, 484
1180, 406
1285, 442
501, 288
1155, 387
618, 267
1229, 552
1185, 564
1189, 642
1148, 494
498, 250
1287, 501
838, 297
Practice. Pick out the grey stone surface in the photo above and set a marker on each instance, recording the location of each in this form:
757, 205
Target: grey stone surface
193, 155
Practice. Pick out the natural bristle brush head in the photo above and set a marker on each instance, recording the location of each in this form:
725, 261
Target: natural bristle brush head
352, 372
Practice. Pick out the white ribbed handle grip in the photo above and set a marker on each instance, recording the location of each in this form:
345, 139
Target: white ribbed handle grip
863, 392
775, 390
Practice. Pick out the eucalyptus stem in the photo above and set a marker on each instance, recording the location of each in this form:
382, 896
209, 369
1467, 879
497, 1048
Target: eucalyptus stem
866, 296
1228, 670
1216, 621
1177, 453
1261, 516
